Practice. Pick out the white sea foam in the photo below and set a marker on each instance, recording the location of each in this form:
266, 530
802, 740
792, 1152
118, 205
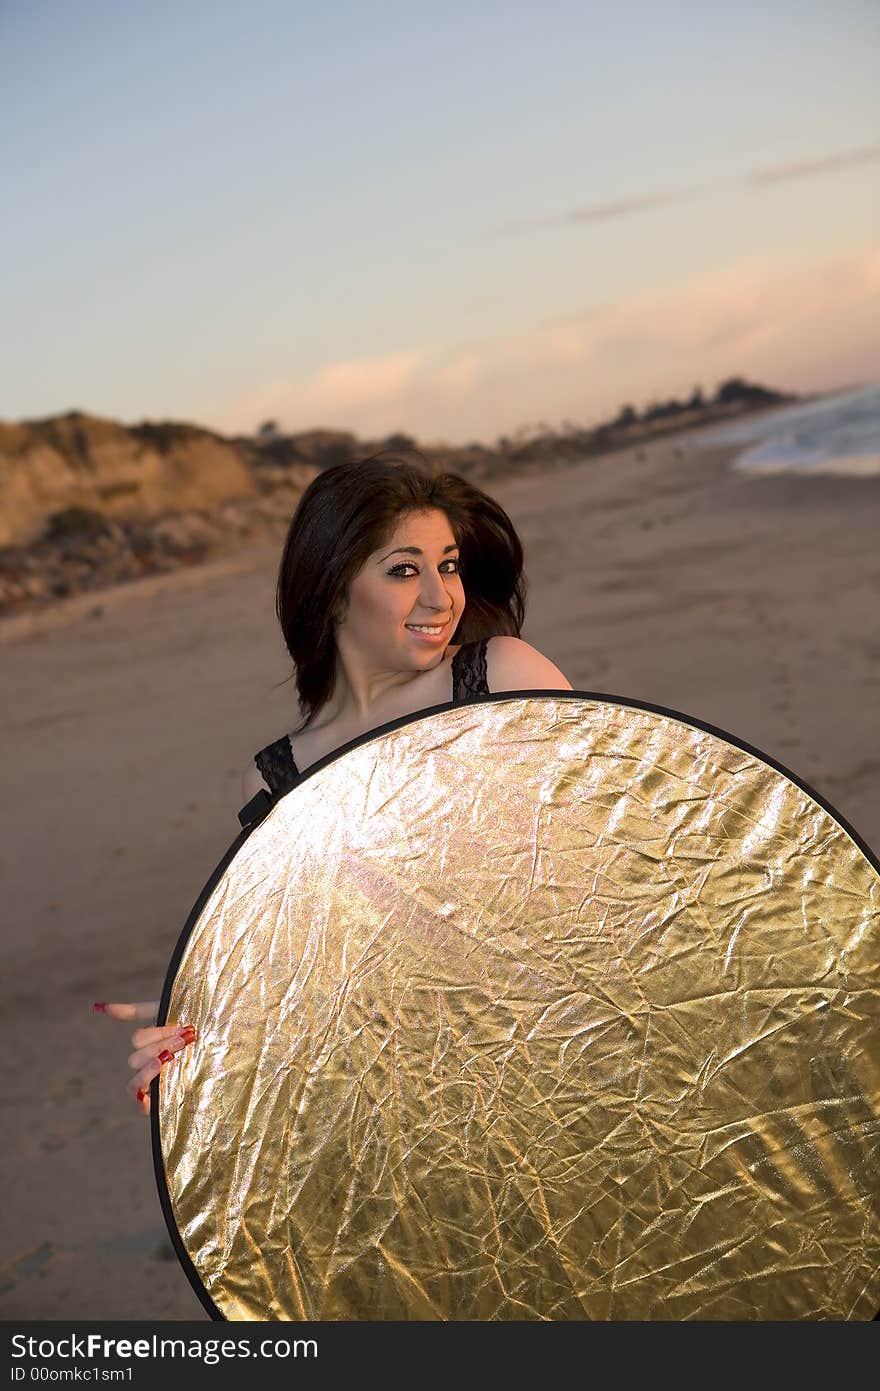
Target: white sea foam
837, 434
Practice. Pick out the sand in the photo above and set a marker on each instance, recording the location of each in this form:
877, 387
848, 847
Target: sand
747, 601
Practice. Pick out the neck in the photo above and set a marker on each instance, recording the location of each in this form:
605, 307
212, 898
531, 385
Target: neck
358, 691
360, 685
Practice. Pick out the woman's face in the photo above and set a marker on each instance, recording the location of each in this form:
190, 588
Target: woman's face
405, 604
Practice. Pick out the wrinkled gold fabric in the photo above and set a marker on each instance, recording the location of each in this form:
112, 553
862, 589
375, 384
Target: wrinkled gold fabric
540, 1008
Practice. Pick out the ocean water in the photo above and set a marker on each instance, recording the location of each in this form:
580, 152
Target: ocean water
839, 433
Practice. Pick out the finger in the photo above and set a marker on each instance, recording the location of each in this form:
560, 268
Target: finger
140, 1082
148, 1010
142, 1100
144, 1038
143, 1077
164, 1049
151, 1067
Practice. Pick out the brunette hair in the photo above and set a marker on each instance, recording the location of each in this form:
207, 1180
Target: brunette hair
348, 512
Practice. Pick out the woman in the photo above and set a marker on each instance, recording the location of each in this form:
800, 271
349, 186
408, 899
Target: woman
397, 590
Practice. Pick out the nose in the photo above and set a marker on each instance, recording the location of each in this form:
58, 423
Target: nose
434, 594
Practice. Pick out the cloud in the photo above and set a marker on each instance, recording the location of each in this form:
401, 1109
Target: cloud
604, 212
354, 386
672, 197
788, 326
807, 168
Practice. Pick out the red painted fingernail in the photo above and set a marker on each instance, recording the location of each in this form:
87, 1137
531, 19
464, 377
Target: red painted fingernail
141, 1094
166, 1056
188, 1034
99, 1007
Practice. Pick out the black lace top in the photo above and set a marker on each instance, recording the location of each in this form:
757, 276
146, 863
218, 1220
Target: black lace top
275, 761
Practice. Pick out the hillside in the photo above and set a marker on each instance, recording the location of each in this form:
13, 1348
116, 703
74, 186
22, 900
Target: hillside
86, 502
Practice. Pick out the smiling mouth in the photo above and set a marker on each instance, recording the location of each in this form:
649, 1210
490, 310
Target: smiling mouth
433, 628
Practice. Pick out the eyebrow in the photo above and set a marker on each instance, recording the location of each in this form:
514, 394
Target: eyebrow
414, 550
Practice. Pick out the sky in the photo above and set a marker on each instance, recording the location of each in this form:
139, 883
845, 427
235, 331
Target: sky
452, 220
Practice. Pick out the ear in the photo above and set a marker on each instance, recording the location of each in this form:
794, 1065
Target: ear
340, 609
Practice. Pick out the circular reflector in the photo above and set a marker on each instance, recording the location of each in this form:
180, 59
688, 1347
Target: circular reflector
547, 1006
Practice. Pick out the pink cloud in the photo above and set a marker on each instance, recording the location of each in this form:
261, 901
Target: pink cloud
777, 323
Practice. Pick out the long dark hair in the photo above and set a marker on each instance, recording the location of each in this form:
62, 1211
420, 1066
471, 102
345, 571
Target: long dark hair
348, 512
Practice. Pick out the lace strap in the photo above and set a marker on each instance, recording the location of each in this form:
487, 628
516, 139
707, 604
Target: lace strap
276, 765
469, 677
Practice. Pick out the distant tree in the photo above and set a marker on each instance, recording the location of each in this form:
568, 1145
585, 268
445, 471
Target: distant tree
601, 436
334, 452
737, 389
399, 442
268, 430
734, 389
662, 410
625, 416
696, 402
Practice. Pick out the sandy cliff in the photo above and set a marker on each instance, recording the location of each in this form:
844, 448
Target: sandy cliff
126, 473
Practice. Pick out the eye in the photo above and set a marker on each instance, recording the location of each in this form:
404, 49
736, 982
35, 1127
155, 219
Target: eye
399, 571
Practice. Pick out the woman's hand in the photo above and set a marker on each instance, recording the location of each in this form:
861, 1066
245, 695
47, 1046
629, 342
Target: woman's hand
154, 1047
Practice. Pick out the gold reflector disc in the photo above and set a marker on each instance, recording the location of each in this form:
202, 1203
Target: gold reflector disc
542, 1007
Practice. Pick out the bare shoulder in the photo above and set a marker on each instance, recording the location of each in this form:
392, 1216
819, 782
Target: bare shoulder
252, 783
514, 665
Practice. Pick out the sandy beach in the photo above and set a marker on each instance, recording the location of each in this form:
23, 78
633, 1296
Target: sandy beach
748, 601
